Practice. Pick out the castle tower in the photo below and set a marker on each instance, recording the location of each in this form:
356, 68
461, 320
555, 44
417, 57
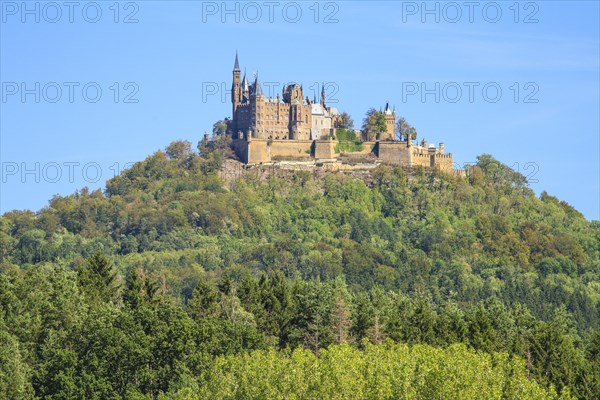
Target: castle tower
257, 100
390, 122
236, 90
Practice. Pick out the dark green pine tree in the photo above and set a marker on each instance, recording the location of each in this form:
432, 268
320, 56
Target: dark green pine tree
133, 295
481, 331
275, 297
204, 302
225, 284
98, 279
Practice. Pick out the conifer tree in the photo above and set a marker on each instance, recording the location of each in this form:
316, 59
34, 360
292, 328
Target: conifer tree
98, 278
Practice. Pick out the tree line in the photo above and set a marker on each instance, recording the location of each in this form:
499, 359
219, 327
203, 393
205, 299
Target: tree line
170, 279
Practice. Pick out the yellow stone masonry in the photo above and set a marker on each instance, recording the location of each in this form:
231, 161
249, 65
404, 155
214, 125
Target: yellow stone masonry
292, 128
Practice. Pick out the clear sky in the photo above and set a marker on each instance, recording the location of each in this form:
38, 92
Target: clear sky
89, 86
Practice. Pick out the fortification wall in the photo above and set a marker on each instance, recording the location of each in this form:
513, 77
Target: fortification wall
325, 149
240, 148
444, 162
369, 147
289, 149
394, 152
252, 152
257, 151
422, 159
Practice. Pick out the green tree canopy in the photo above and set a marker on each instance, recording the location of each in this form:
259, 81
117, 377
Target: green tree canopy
404, 130
345, 121
373, 125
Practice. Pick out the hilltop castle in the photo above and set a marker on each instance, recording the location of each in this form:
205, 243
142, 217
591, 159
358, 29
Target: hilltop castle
291, 116
294, 128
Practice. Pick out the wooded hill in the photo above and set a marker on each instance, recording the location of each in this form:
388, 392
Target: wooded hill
172, 283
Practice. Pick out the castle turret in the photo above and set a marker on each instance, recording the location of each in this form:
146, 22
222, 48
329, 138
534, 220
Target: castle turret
245, 88
257, 100
390, 121
236, 88
257, 88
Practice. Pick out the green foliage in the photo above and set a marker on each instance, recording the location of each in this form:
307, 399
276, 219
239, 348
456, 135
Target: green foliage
136, 292
347, 141
179, 150
373, 125
404, 129
349, 147
14, 372
390, 371
98, 279
345, 121
345, 135
222, 127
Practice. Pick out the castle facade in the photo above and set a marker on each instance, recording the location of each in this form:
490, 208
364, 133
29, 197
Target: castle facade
290, 116
291, 127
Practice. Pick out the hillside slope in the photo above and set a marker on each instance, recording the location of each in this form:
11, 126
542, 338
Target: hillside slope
171, 251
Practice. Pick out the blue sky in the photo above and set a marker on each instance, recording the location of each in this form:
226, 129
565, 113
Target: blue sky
517, 80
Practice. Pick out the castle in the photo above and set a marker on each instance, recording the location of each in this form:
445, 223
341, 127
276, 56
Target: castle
292, 127
290, 116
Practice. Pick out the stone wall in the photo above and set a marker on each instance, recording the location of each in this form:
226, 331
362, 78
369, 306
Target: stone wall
240, 148
257, 151
325, 149
394, 152
444, 162
422, 159
289, 149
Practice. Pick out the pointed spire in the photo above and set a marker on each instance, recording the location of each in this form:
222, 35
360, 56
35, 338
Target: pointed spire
388, 110
323, 94
257, 89
245, 82
236, 65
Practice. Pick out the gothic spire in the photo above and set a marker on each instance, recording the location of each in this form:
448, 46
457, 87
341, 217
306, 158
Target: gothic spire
236, 65
323, 94
245, 82
257, 89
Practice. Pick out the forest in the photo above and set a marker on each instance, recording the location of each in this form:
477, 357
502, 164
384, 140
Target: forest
172, 283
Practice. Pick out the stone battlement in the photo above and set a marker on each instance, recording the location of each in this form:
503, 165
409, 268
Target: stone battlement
292, 128
255, 151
